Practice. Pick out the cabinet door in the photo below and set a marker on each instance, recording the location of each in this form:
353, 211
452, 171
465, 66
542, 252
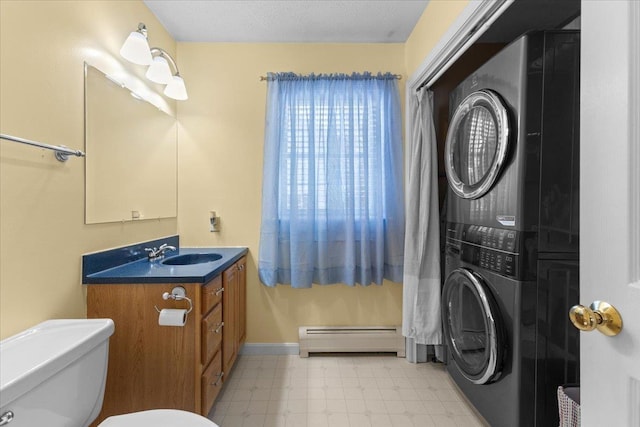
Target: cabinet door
241, 309
558, 342
229, 297
150, 366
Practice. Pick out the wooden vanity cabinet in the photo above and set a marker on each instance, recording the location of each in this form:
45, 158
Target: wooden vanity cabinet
234, 312
153, 366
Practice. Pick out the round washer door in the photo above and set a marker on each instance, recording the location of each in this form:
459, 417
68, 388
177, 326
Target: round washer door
472, 326
477, 144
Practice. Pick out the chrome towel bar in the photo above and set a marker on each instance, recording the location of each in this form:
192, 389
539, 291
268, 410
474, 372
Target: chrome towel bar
62, 153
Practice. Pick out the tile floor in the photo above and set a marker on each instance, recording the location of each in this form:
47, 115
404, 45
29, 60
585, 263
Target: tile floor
337, 391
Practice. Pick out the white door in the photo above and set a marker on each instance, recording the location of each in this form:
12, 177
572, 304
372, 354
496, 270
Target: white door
610, 208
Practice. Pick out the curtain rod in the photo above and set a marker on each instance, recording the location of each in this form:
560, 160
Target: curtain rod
396, 76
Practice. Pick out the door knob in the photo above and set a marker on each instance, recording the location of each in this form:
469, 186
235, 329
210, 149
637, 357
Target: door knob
599, 315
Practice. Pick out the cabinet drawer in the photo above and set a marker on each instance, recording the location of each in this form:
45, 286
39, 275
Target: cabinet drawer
212, 294
212, 379
211, 333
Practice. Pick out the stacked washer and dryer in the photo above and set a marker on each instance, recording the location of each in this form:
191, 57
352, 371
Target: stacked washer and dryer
511, 251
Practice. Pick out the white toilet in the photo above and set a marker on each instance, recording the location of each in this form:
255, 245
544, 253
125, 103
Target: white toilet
157, 418
54, 375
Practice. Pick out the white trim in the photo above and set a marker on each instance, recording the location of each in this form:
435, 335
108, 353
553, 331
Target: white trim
472, 22
270, 349
634, 141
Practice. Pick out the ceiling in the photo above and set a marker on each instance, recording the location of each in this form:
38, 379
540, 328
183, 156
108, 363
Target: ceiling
289, 21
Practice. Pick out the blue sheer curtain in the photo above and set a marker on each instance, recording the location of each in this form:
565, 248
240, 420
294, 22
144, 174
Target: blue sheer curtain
332, 196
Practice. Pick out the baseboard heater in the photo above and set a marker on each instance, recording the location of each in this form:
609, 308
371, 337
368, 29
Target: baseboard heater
361, 339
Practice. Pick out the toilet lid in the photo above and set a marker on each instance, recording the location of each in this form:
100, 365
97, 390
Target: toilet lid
158, 418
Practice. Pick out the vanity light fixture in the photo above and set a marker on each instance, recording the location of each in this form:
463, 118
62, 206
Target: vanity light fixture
136, 49
158, 71
176, 88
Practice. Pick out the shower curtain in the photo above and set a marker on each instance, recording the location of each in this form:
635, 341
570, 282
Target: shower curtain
421, 322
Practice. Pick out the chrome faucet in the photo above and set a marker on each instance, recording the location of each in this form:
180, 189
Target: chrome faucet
155, 253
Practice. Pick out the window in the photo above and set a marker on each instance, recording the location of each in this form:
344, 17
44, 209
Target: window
313, 156
332, 188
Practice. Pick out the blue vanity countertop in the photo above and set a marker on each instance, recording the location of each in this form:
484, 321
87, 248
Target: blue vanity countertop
144, 271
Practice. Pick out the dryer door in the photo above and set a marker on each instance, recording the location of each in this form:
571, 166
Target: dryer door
477, 144
472, 326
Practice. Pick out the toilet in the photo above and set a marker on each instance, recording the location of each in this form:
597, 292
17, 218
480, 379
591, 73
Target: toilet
157, 418
54, 375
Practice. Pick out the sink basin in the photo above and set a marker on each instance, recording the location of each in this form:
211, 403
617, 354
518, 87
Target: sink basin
189, 259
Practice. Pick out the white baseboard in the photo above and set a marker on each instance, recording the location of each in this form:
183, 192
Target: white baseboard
271, 349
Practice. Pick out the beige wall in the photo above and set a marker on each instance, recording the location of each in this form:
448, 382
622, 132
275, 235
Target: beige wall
42, 235
42, 232
220, 163
220, 167
434, 22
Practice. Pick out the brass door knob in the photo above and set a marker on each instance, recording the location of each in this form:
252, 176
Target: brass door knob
599, 315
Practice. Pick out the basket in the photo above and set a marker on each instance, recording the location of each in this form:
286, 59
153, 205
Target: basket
569, 406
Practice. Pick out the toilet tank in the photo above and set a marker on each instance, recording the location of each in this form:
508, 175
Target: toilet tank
54, 373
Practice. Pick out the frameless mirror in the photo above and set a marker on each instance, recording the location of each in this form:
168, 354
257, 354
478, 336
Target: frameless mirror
131, 147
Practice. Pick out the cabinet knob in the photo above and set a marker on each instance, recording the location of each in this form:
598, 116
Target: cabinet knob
218, 379
218, 327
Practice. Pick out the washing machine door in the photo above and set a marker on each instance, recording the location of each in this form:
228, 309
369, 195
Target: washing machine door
472, 326
477, 144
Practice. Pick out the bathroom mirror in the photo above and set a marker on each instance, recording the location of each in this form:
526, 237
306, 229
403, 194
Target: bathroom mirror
131, 147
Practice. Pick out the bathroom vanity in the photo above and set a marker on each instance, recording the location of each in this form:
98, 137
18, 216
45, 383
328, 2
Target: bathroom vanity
178, 367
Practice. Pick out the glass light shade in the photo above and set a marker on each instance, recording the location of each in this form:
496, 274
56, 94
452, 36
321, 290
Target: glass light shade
176, 89
159, 71
136, 49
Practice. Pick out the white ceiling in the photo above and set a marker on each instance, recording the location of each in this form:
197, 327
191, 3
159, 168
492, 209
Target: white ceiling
289, 21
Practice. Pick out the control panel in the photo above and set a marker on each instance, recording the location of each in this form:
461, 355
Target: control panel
493, 249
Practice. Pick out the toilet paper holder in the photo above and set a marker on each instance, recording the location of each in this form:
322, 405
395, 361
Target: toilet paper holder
177, 294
